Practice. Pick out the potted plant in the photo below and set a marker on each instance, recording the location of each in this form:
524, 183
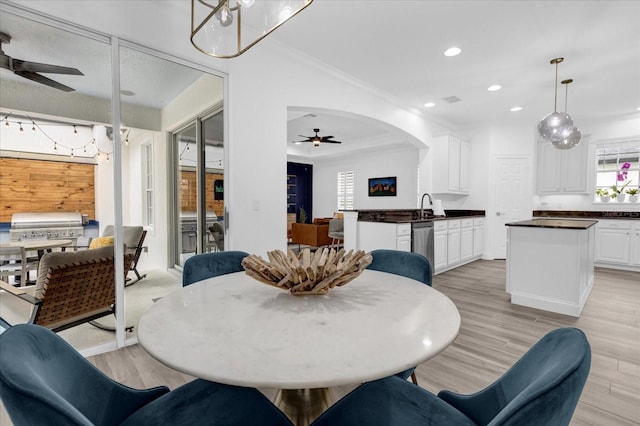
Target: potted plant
603, 193
633, 194
618, 192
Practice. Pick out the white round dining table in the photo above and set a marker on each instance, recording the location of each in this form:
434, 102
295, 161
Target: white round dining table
235, 330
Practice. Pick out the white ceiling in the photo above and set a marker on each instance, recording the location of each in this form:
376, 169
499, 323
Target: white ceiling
397, 48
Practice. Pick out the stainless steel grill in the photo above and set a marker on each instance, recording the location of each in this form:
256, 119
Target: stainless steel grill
46, 226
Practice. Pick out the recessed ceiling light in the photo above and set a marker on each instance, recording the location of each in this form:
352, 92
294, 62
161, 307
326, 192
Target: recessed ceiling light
494, 88
452, 51
515, 109
429, 104
126, 93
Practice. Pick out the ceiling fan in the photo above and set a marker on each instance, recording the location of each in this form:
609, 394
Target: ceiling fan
317, 140
31, 70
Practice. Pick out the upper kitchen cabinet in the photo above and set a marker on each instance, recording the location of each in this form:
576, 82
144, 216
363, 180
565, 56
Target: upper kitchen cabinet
450, 164
562, 171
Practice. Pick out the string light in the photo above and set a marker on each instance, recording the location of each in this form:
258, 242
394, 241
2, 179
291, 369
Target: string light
72, 150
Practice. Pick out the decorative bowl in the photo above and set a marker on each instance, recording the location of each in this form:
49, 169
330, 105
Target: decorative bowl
307, 272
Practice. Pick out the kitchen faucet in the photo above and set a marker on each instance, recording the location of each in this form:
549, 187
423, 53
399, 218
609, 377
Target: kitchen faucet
422, 204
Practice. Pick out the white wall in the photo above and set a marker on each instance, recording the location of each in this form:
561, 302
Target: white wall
400, 163
258, 135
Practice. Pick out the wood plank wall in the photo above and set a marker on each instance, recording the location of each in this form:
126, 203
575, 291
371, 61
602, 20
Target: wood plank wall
45, 186
188, 192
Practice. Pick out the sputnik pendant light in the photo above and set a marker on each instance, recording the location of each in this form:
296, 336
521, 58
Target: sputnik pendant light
556, 126
230, 27
574, 137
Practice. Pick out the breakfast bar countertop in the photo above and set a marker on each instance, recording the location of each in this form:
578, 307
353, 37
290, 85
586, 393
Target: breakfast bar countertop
555, 223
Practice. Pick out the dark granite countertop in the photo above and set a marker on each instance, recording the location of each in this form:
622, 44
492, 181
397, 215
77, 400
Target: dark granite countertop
555, 223
585, 214
413, 216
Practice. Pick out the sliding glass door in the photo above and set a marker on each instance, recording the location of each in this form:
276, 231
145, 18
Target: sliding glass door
198, 156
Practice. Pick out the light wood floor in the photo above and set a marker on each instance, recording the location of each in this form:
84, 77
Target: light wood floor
493, 335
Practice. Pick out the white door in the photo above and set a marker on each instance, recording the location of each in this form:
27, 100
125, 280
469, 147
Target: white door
512, 198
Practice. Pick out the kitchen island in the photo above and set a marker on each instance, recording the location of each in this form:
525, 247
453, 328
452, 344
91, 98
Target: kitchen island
550, 264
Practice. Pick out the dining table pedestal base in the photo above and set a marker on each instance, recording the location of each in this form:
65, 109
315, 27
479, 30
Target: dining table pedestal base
303, 406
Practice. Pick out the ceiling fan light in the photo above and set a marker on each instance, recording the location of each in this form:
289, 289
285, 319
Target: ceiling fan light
556, 126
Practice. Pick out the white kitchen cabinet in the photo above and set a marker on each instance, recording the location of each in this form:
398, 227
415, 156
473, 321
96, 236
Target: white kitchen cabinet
478, 237
439, 245
381, 235
403, 237
562, 171
451, 156
466, 239
453, 242
635, 244
456, 242
614, 241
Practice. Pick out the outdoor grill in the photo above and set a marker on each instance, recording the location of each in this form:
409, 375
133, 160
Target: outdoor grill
46, 226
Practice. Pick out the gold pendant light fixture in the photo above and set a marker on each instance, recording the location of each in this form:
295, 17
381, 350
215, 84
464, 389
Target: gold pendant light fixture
230, 27
574, 137
557, 126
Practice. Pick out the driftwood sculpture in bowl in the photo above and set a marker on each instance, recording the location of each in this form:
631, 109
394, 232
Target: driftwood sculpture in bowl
307, 273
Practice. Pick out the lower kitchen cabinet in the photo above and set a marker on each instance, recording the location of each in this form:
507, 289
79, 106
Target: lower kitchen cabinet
618, 244
439, 245
478, 237
380, 235
466, 240
457, 242
453, 242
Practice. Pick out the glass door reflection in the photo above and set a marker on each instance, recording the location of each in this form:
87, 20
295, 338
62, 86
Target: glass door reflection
213, 138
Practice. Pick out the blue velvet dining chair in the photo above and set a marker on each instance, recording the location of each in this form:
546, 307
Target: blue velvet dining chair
542, 388
209, 265
407, 264
44, 381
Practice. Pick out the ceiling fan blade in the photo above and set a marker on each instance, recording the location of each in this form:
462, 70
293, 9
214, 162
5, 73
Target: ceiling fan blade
331, 142
44, 80
27, 66
328, 137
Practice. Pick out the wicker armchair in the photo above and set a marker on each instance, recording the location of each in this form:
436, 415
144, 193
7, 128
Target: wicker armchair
72, 288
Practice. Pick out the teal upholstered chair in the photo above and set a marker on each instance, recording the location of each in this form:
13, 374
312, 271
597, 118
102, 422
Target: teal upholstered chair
407, 264
542, 388
209, 265
44, 381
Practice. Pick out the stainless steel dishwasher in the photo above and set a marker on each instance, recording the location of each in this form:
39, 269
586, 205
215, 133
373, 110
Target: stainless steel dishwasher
422, 240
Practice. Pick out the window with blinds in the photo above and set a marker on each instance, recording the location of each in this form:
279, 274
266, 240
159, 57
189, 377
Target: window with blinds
617, 166
345, 190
